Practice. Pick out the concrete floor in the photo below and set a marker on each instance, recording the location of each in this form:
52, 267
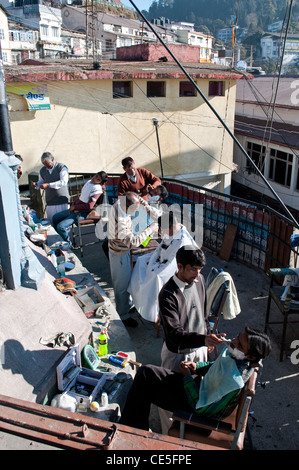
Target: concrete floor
274, 422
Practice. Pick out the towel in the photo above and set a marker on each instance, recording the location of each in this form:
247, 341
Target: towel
231, 307
222, 378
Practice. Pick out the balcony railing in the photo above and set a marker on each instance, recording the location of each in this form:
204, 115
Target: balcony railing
262, 237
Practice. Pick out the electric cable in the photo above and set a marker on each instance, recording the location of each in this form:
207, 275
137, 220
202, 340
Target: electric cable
217, 115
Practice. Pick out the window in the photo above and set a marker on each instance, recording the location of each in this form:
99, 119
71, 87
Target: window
44, 30
281, 167
257, 154
122, 89
216, 88
109, 45
4, 57
2, 35
187, 89
55, 32
155, 89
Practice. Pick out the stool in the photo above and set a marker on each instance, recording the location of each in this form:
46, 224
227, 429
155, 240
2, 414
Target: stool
82, 223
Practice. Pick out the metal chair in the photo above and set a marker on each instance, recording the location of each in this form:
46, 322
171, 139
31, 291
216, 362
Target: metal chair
92, 219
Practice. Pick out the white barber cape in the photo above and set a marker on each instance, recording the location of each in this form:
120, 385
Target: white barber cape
153, 270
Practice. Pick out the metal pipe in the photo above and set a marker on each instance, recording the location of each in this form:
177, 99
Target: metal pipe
218, 117
156, 124
5, 132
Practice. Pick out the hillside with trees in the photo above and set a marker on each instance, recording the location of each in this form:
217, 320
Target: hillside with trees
211, 15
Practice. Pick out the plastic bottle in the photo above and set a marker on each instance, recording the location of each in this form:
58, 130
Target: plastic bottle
103, 342
146, 242
53, 259
118, 360
61, 269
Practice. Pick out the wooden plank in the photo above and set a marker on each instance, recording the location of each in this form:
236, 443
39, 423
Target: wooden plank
228, 241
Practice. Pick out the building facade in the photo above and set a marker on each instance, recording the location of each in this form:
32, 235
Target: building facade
110, 31
4, 38
47, 21
91, 119
269, 134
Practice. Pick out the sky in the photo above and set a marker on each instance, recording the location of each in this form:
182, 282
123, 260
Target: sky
140, 4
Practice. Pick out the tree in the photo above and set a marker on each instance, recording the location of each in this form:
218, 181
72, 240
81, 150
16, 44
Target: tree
269, 65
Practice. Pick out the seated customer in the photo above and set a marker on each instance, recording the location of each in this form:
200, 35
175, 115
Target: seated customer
215, 394
155, 197
81, 207
153, 270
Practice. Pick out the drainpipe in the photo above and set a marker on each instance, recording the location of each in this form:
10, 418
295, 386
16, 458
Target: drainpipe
20, 266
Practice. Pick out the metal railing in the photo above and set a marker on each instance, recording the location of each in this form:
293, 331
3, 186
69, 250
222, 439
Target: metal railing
262, 237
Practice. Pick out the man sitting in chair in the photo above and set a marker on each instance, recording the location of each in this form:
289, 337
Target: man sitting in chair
81, 207
208, 389
152, 270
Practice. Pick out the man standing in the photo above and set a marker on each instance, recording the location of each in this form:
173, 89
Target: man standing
121, 239
182, 311
138, 180
53, 178
81, 207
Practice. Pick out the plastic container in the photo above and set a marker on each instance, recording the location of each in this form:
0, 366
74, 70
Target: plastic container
54, 259
103, 342
118, 360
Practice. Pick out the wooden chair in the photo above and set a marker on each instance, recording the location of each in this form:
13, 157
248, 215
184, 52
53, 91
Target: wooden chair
228, 434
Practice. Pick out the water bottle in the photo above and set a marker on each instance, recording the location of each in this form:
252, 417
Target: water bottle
61, 269
103, 342
53, 259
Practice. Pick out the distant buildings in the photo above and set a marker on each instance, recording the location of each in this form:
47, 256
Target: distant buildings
36, 30
268, 130
92, 118
273, 45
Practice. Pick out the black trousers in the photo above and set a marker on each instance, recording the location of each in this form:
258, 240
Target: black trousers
157, 385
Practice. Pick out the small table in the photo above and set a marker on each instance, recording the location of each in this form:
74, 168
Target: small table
286, 308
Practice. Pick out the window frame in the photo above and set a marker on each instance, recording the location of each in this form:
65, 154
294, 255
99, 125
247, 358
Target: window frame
252, 153
155, 84
186, 84
127, 84
276, 163
214, 88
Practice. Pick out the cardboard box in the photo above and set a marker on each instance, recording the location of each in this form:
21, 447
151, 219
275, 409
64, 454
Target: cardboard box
76, 381
89, 299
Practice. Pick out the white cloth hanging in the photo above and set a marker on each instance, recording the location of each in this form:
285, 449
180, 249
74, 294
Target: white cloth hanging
153, 270
231, 306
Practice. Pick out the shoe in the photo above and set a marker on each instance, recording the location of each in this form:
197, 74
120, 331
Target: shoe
130, 322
